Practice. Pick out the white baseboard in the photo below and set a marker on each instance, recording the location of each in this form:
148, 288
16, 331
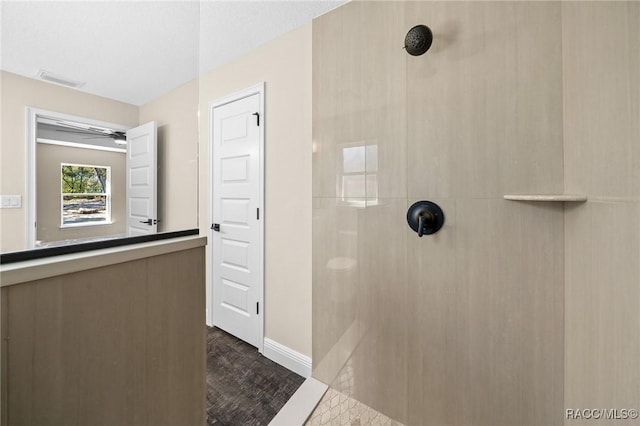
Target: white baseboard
287, 357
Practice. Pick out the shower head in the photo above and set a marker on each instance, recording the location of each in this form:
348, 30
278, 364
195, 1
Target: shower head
418, 40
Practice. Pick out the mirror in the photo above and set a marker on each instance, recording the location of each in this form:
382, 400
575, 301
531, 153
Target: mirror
79, 183
86, 72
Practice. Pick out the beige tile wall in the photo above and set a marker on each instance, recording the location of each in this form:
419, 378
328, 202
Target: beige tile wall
480, 123
468, 326
602, 99
601, 83
336, 324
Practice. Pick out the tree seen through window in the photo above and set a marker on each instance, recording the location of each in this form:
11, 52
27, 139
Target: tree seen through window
85, 194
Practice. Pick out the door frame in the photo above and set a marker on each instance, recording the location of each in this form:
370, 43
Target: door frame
256, 89
31, 133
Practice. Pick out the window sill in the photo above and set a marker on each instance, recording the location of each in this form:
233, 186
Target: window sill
86, 225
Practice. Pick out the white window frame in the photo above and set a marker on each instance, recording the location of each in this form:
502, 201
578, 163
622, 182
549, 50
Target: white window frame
107, 196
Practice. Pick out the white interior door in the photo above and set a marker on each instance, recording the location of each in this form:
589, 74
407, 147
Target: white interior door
237, 237
141, 180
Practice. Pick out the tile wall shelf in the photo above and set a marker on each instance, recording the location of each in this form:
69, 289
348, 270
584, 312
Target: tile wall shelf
580, 198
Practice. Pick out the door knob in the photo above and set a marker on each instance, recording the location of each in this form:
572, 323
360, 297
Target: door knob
425, 218
216, 227
148, 221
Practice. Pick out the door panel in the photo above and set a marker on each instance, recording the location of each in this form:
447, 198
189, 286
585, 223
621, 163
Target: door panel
141, 180
235, 211
235, 170
236, 198
235, 296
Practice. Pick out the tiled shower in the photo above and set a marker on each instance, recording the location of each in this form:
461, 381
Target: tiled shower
515, 311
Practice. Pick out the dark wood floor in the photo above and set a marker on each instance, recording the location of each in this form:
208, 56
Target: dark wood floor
243, 387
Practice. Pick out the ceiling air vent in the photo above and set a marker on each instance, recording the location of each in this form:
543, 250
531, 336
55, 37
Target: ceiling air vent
58, 79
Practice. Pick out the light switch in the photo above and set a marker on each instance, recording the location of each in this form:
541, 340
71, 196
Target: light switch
11, 201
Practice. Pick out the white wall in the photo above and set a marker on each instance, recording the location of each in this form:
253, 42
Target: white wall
285, 66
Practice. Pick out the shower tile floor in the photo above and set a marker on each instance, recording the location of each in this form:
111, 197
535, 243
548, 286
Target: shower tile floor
338, 408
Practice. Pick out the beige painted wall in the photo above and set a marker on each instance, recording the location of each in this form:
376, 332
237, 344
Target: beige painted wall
17, 94
174, 112
176, 115
48, 160
285, 66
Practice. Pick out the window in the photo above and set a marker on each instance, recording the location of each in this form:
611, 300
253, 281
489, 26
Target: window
85, 195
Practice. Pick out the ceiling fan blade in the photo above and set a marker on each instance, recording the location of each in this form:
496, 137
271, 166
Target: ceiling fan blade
118, 137
84, 128
87, 128
85, 132
73, 126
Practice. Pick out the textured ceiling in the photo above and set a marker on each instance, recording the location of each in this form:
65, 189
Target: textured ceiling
135, 51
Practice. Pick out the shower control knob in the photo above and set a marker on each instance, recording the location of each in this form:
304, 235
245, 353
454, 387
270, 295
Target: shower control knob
425, 218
